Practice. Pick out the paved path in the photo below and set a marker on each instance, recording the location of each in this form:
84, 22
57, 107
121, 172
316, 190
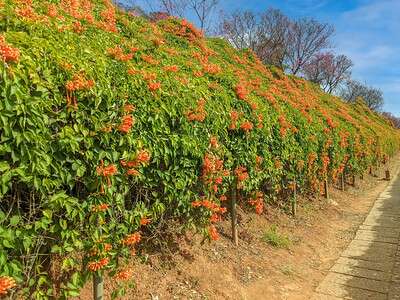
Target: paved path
370, 266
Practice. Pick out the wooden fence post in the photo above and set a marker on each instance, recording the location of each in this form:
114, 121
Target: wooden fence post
98, 281
342, 182
354, 180
234, 214
326, 189
387, 173
98, 287
294, 199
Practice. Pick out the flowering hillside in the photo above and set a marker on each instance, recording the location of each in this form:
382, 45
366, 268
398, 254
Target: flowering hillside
110, 123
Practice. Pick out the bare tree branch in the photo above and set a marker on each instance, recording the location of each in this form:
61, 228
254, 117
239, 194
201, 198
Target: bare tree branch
306, 38
265, 34
371, 96
328, 70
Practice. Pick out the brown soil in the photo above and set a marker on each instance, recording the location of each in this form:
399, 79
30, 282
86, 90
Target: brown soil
189, 269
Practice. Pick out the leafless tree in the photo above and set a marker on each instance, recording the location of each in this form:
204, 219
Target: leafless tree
265, 34
354, 90
174, 7
328, 70
203, 10
395, 121
240, 28
306, 38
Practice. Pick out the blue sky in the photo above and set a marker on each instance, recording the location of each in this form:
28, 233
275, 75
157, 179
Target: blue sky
367, 31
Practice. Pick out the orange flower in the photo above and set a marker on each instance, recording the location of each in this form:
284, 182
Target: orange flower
143, 156
118, 54
132, 172
78, 27
258, 202
215, 218
144, 221
234, 117
246, 126
124, 275
222, 198
132, 71
108, 171
102, 207
172, 69
97, 265
199, 113
241, 91
127, 123
149, 59
52, 11
6, 283
241, 173
153, 86
132, 239
8, 53
213, 233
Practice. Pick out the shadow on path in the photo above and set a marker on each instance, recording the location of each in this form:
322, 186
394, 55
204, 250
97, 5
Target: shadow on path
370, 266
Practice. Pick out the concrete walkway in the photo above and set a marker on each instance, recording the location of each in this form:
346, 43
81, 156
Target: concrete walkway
370, 266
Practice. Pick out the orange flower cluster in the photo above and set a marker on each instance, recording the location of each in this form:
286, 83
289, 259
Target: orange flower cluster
6, 283
344, 139
260, 121
154, 86
107, 171
213, 207
106, 248
52, 10
241, 91
8, 53
277, 164
246, 126
158, 42
189, 31
199, 113
198, 73
172, 69
124, 275
312, 157
259, 161
126, 124
78, 9
78, 27
144, 221
213, 171
211, 69
26, 11
212, 231
109, 21
100, 208
142, 158
325, 163
149, 76
234, 118
258, 202
284, 125
149, 59
98, 265
132, 239
118, 54
241, 175
78, 82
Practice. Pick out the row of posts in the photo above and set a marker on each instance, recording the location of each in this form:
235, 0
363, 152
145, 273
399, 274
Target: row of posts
98, 284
